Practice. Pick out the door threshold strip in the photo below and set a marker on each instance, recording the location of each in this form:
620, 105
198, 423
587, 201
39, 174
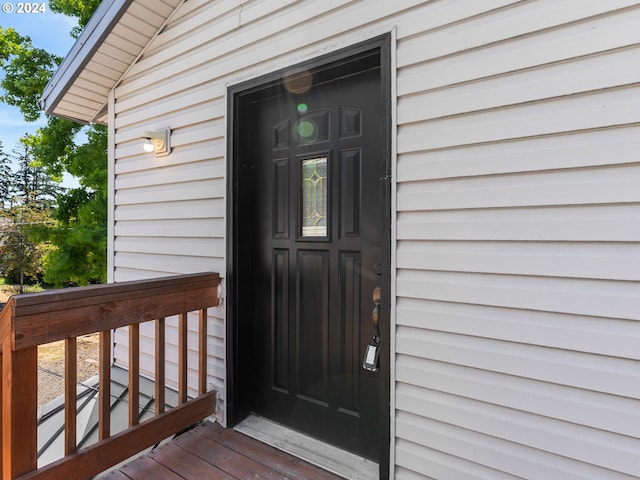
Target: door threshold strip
323, 455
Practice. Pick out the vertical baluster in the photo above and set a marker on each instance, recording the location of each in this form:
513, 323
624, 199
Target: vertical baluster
202, 352
160, 364
70, 394
182, 358
19, 407
134, 374
104, 407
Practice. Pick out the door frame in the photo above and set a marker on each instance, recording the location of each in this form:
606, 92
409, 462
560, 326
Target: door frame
237, 370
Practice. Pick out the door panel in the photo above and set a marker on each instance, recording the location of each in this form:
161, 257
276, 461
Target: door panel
350, 193
312, 222
349, 333
280, 319
311, 358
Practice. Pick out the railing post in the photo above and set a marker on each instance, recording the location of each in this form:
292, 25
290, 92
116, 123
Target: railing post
19, 410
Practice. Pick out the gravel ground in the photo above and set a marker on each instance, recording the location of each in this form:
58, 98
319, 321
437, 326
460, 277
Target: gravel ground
51, 366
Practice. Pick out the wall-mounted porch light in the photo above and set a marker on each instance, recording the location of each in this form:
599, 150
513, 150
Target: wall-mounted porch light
158, 142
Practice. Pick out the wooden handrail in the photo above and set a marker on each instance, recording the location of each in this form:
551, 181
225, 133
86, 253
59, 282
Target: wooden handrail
28, 321
49, 316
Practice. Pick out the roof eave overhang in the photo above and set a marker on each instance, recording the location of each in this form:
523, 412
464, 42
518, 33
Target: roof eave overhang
105, 18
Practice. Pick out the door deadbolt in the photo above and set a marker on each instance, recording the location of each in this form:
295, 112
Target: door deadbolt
375, 314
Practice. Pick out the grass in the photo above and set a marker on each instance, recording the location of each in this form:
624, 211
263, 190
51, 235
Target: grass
51, 352
5, 292
6, 289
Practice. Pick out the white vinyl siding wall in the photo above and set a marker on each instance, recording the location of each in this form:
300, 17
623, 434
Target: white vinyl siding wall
517, 257
517, 212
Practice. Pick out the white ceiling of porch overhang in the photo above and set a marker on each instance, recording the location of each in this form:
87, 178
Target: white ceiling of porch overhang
114, 38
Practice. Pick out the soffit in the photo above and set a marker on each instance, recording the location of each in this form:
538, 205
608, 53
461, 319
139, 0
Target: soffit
114, 38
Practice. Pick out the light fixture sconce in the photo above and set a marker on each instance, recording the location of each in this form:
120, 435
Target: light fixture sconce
158, 142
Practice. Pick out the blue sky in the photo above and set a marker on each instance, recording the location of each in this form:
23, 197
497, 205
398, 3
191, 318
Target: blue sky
48, 31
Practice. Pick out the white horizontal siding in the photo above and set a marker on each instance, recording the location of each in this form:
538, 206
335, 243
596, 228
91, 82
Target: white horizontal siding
564, 367
576, 296
517, 255
579, 260
436, 464
575, 405
201, 189
588, 111
593, 186
600, 223
528, 50
471, 454
517, 212
195, 247
187, 209
524, 429
168, 263
198, 227
560, 79
505, 29
185, 172
202, 109
590, 334
589, 148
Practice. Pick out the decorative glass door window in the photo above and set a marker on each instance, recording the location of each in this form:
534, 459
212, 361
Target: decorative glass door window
314, 197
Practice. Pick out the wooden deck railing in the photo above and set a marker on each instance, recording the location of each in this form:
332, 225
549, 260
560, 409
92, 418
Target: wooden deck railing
28, 321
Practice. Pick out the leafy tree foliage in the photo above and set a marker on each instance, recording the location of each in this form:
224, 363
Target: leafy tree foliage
27, 70
79, 236
80, 9
6, 178
81, 232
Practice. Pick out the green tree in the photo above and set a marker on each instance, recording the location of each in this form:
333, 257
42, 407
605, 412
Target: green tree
26, 213
30, 184
27, 70
79, 237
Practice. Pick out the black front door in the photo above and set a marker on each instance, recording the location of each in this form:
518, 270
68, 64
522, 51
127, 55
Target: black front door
313, 223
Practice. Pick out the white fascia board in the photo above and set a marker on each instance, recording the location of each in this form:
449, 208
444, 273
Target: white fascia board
105, 18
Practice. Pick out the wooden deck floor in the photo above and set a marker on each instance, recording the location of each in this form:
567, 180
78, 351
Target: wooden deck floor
212, 452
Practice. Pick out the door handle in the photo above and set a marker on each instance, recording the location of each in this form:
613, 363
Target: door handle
371, 360
375, 314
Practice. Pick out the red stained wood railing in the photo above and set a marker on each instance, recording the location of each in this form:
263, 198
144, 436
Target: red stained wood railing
28, 321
